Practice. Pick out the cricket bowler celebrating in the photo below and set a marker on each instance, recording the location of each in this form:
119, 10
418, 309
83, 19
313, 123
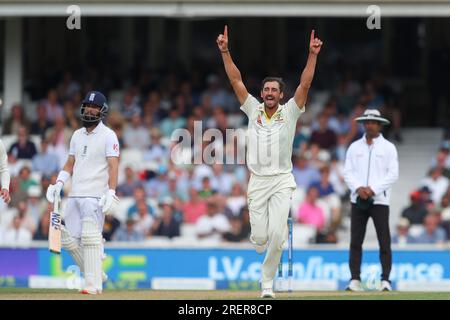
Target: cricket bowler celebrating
93, 164
271, 130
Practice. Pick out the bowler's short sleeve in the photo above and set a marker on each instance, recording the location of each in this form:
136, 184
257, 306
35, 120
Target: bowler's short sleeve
293, 110
249, 104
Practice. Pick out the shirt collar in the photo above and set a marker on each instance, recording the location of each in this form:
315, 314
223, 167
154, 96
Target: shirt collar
96, 129
261, 109
375, 140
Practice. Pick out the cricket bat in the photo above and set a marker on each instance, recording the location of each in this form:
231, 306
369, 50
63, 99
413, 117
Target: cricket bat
54, 233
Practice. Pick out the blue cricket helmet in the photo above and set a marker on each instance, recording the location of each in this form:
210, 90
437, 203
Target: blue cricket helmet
95, 98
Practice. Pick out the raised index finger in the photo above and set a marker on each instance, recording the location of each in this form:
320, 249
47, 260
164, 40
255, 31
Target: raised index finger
225, 31
312, 35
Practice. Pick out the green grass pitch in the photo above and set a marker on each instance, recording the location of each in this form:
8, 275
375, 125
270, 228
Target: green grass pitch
49, 294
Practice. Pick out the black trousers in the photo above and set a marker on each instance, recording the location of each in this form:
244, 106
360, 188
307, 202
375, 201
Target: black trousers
359, 219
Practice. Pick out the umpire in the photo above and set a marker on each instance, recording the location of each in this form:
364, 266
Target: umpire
371, 167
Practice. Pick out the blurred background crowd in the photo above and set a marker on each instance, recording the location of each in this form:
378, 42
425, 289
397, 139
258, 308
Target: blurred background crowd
155, 86
162, 198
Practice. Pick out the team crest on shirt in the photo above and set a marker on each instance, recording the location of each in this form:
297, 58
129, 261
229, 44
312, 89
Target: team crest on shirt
278, 117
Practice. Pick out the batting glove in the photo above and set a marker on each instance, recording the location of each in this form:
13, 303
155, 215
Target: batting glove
109, 201
53, 191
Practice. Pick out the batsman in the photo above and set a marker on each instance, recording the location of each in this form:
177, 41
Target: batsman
270, 134
92, 163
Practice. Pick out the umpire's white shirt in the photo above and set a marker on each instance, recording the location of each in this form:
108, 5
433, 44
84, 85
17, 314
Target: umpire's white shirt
269, 144
90, 173
374, 165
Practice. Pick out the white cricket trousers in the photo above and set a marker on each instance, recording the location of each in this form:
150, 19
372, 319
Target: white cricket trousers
79, 208
84, 221
269, 201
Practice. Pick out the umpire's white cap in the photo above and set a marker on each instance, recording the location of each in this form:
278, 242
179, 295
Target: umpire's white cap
373, 115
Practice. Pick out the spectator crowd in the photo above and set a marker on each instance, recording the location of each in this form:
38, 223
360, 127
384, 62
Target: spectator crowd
427, 218
165, 197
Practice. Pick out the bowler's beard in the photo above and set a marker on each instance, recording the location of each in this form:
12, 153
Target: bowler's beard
274, 106
274, 102
270, 107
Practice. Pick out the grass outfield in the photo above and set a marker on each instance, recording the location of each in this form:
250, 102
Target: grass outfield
49, 294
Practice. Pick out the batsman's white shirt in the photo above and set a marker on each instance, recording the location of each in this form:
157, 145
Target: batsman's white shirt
91, 149
269, 144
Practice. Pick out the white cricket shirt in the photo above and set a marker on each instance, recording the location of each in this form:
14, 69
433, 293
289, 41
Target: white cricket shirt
90, 173
269, 141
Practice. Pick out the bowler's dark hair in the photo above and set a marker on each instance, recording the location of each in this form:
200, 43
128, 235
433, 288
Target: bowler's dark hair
273, 79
